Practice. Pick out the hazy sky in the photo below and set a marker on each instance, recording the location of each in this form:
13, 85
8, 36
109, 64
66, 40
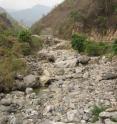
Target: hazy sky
22, 4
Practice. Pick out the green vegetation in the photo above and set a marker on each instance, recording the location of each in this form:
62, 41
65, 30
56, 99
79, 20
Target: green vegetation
29, 43
114, 119
12, 49
114, 7
114, 47
76, 16
25, 36
92, 48
36, 43
96, 49
10, 62
9, 68
96, 111
78, 42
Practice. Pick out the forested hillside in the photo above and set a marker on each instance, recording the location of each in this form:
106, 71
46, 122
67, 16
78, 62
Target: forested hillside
97, 18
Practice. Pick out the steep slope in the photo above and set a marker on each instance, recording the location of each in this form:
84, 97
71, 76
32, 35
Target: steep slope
7, 22
30, 16
89, 16
4, 21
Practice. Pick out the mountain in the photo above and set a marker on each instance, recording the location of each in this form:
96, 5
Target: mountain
7, 22
31, 15
92, 17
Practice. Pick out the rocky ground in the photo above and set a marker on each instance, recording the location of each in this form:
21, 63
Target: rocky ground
63, 88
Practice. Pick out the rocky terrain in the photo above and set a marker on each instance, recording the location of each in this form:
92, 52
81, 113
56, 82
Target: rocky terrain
62, 88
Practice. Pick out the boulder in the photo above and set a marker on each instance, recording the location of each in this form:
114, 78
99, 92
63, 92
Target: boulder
31, 81
108, 121
3, 119
29, 90
72, 115
48, 109
84, 60
45, 79
109, 76
6, 102
105, 115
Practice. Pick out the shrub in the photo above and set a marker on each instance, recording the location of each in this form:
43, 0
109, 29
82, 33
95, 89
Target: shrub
75, 15
91, 48
26, 49
114, 47
25, 36
78, 42
96, 49
36, 43
9, 67
96, 111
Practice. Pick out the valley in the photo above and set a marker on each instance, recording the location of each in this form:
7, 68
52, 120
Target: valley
62, 70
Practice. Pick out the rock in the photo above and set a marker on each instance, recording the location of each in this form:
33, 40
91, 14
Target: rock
51, 58
4, 108
51, 122
6, 102
86, 75
83, 60
98, 122
30, 113
45, 79
31, 81
66, 63
29, 90
19, 77
3, 119
49, 109
109, 76
72, 116
61, 123
12, 119
108, 115
108, 121
2, 95
13, 108
104, 115
83, 122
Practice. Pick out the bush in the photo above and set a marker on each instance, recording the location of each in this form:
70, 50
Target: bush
96, 49
25, 36
26, 49
36, 43
9, 67
78, 42
92, 48
96, 111
114, 47
75, 15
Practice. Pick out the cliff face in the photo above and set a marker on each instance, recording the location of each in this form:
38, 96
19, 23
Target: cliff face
85, 16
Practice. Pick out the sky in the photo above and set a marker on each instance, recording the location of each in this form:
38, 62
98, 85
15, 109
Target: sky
23, 4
